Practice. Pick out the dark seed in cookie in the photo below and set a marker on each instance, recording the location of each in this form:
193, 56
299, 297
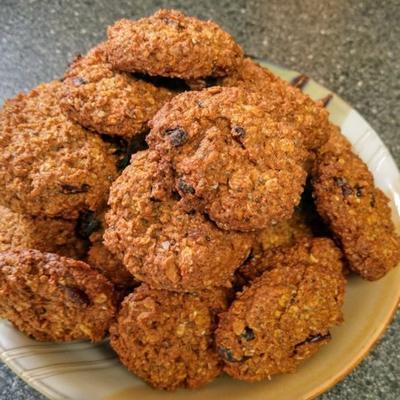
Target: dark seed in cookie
228, 356
248, 333
346, 188
78, 81
77, 295
177, 136
318, 338
71, 189
359, 191
300, 81
238, 132
185, 187
314, 339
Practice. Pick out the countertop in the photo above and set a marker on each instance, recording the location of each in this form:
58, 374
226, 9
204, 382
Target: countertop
348, 46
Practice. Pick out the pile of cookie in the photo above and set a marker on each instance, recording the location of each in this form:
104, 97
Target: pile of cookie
174, 193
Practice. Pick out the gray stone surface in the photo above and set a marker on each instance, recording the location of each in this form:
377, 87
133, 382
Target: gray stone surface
351, 47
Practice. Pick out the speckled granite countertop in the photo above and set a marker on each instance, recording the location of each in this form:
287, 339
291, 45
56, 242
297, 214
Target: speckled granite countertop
349, 46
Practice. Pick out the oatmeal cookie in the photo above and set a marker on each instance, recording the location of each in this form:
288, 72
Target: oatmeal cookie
49, 235
357, 212
52, 298
109, 265
285, 102
172, 44
161, 244
284, 233
285, 315
167, 338
230, 158
337, 142
49, 166
300, 250
107, 101
100, 258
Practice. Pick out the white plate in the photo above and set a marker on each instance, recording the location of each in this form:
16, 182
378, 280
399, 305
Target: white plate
85, 371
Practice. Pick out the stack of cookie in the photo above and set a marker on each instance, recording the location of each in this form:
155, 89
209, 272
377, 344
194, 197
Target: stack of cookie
206, 247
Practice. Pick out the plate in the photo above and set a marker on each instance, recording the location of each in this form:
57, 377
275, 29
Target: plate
81, 370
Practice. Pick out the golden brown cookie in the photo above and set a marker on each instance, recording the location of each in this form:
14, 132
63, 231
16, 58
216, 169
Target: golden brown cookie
172, 44
337, 142
100, 258
49, 166
49, 235
167, 338
284, 233
230, 158
285, 102
109, 265
52, 298
285, 315
302, 250
161, 244
107, 101
357, 212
